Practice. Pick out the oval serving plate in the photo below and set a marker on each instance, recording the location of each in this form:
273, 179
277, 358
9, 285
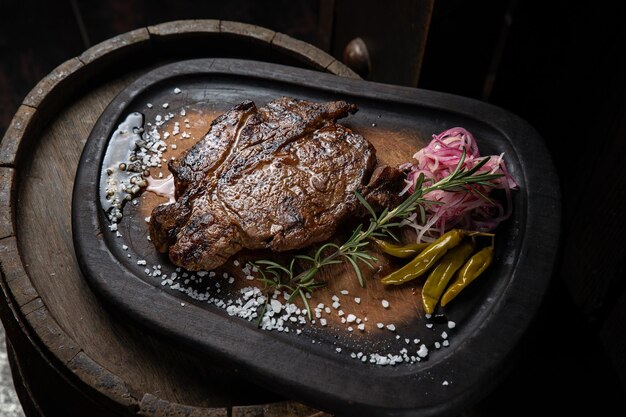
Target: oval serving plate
322, 365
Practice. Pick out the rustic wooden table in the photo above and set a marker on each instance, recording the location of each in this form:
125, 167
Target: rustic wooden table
70, 356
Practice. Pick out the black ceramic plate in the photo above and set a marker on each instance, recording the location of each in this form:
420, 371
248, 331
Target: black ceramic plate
491, 317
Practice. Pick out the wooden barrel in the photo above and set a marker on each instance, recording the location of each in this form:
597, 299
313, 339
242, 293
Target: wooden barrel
69, 355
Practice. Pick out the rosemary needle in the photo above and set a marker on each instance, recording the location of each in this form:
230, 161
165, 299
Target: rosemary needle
282, 277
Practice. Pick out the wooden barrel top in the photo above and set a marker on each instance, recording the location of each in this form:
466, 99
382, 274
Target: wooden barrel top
117, 367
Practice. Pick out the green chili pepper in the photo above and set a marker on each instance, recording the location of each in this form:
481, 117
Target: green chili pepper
427, 258
475, 266
404, 251
442, 273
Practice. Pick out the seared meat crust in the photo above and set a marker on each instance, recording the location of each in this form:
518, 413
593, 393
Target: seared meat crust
278, 177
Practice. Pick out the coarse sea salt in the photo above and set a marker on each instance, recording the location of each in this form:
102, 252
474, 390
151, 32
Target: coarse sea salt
280, 316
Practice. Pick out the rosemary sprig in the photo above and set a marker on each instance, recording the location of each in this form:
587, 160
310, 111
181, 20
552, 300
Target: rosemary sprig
280, 277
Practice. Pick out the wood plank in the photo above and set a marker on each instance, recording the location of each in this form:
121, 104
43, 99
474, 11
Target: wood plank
285, 408
24, 124
450, 43
296, 18
51, 335
237, 29
117, 48
36, 37
185, 28
46, 91
13, 273
7, 189
337, 67
303, 52
152, 406
396, 43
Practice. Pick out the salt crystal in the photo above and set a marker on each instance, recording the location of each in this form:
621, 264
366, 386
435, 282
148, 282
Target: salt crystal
451, 325
276, 306
423, 351
391, 327
351, 318
385, 303
380, 325
177, 90
357, 300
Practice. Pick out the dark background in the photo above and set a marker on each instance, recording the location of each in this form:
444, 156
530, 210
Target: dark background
561, 66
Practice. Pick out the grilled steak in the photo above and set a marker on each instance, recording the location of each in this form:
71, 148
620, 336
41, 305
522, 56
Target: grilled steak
281, 177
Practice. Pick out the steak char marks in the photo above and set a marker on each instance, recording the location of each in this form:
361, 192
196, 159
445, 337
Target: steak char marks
278, 177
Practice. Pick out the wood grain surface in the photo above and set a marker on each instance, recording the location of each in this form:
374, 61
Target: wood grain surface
50, 309
49, 305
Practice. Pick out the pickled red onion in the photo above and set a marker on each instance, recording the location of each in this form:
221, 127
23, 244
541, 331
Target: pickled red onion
468, 209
